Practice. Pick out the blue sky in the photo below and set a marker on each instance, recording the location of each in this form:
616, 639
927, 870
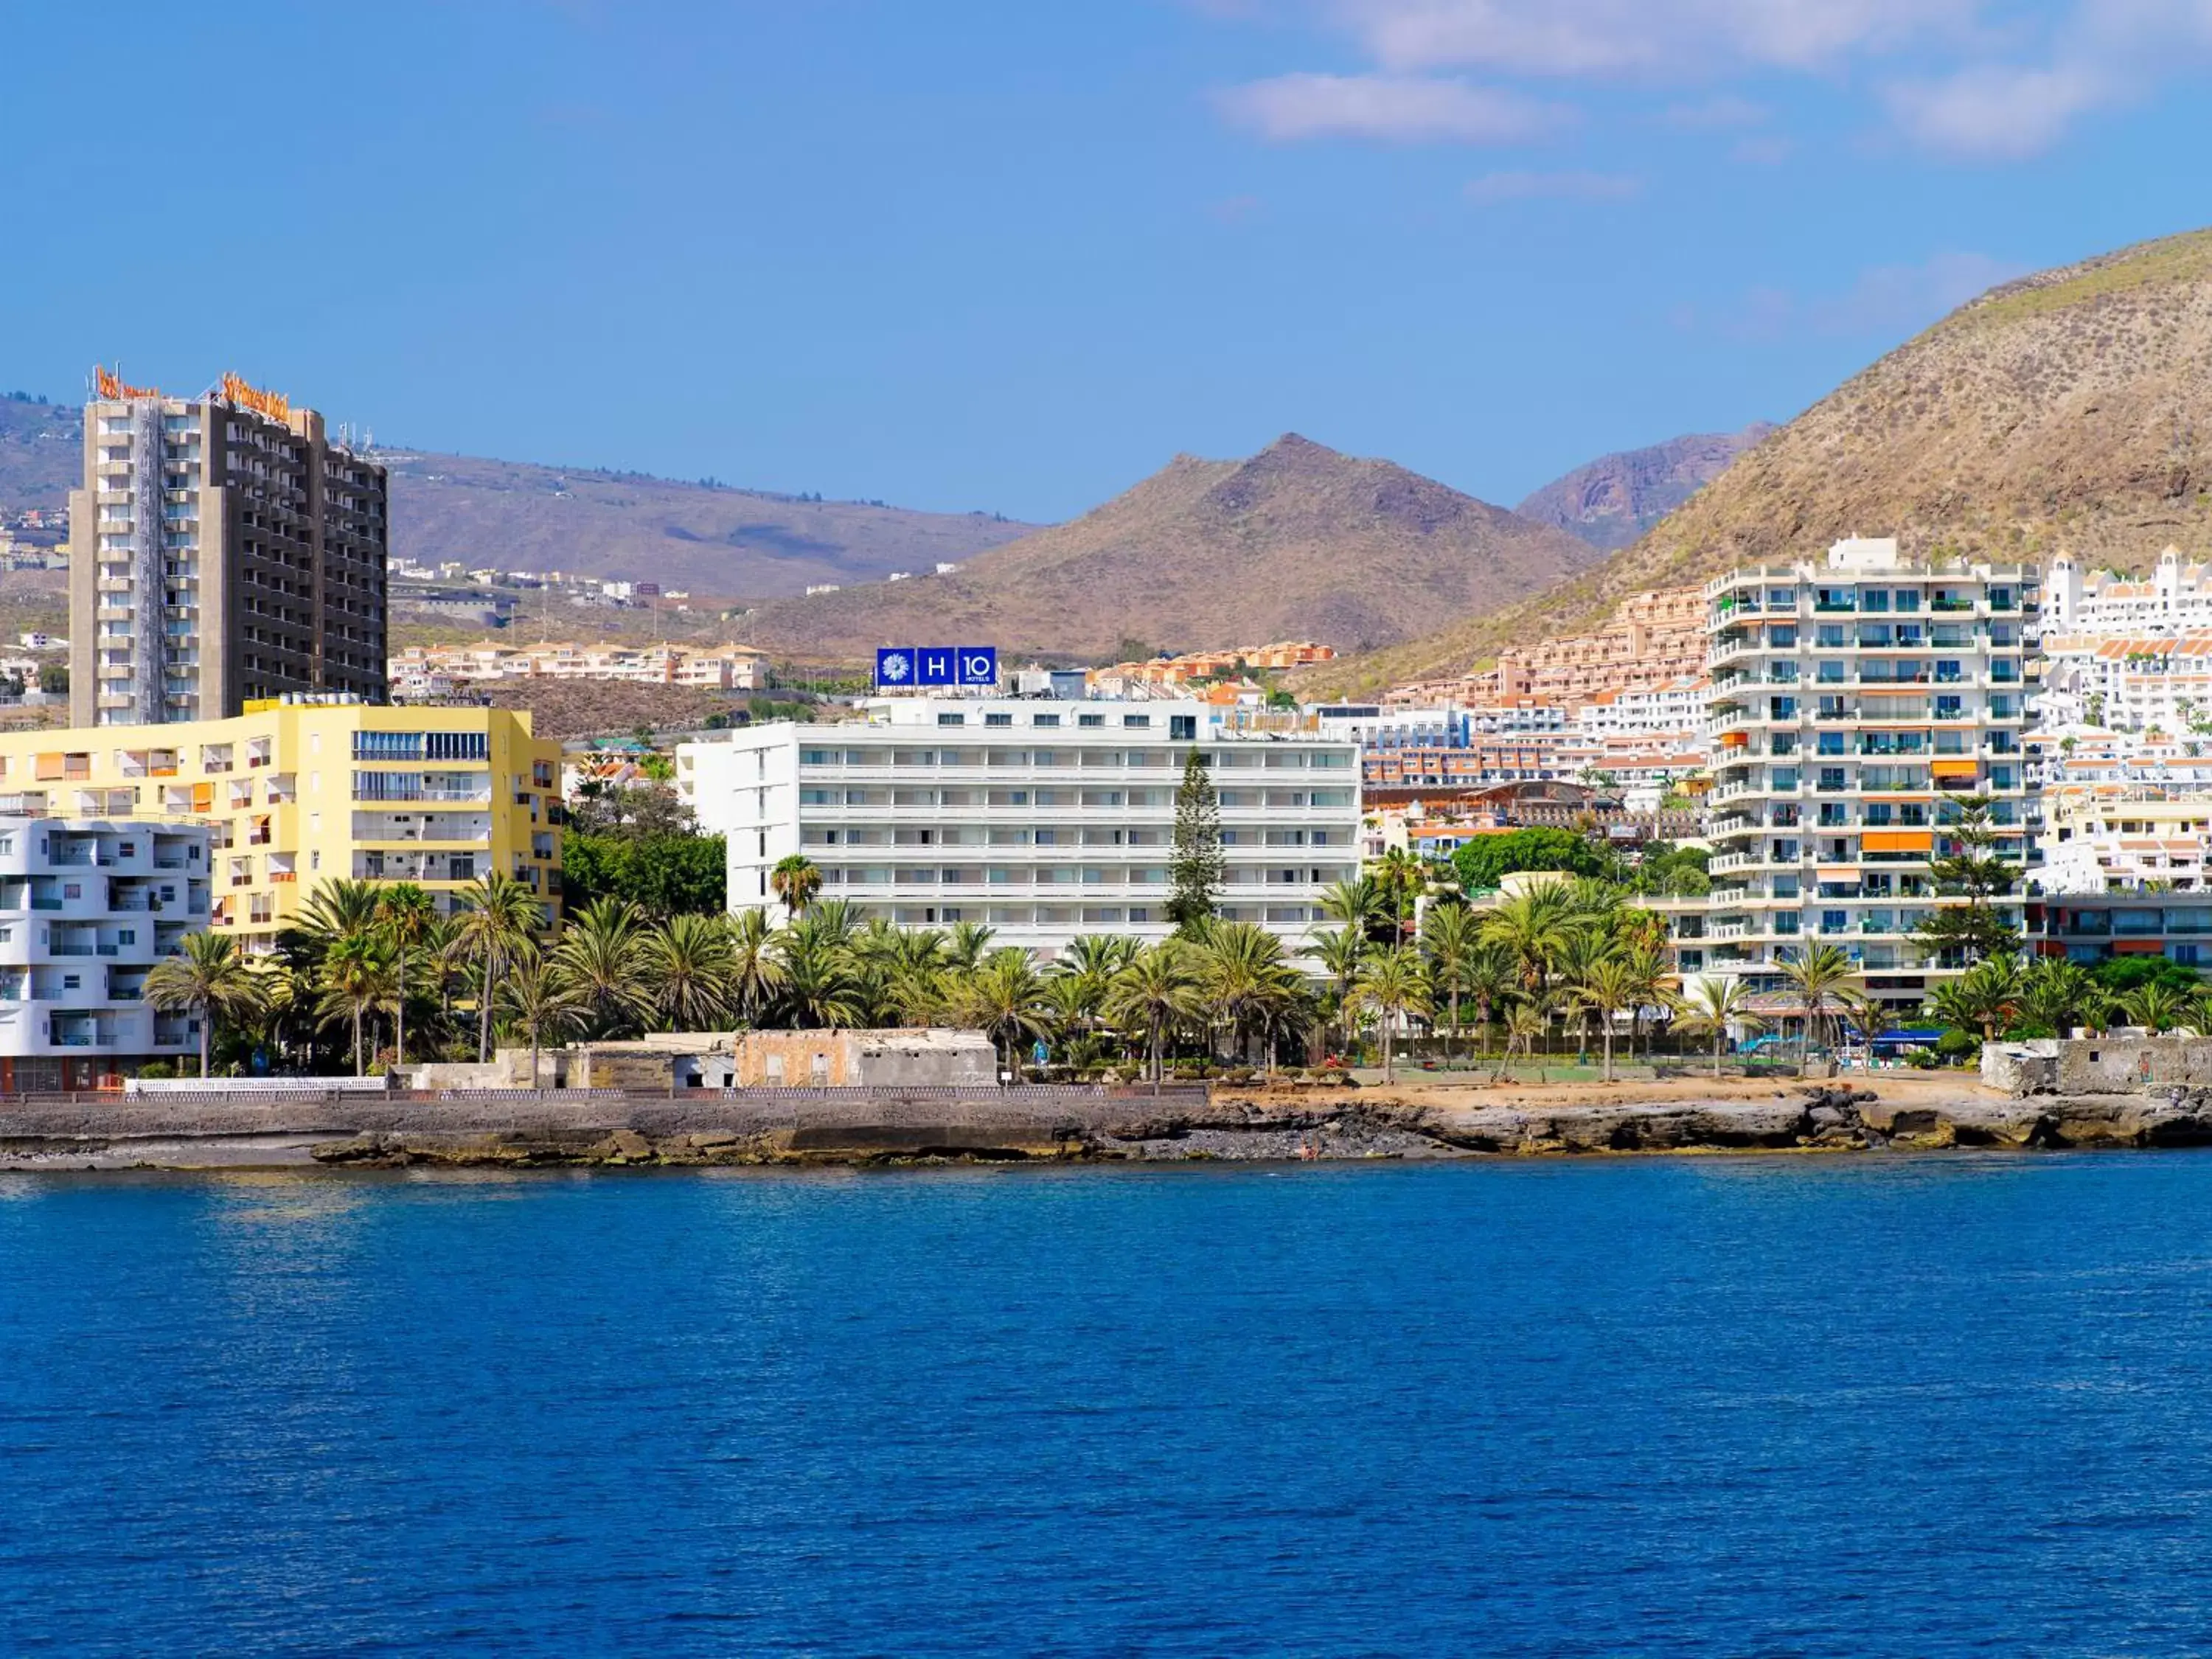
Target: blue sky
1012, 254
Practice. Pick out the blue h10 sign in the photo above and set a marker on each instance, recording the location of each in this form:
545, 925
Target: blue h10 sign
898, 666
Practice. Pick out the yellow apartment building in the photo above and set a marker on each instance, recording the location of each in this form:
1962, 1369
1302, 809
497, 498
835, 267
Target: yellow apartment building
300, 790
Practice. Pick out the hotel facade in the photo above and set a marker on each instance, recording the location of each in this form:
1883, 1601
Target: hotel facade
1043, 819
1852, 700
222, 550
294, 793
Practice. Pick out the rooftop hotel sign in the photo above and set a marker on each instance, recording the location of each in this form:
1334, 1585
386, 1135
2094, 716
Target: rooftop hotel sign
900, 668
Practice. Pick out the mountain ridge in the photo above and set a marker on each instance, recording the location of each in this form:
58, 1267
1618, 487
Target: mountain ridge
1297, 541
2057, 411
1611, 500
713, 537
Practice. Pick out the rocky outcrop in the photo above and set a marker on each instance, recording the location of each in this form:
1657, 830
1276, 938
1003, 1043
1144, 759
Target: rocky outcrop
864, 1127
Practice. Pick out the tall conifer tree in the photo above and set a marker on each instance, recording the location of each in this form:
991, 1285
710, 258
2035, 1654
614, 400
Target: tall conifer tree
1196, 867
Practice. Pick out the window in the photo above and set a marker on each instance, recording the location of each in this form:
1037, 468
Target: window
1182, 728
951, 719
998, 720
1044, 719
1090, 719
1137, 721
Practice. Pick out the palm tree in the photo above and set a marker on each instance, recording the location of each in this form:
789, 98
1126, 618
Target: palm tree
1341, 951
1867, 1015
1157, 990
1394, 982
340, 908
1610, 985
818, 988
756, 970
1588, 947
207, 976
539, 1001
1526, 1020
1004, 995
686, 961
359, 980
602, 954
1492, 979
1240, 968
1711, 1007
1816, 974
2158, 1008
501, 915
1451, 940
2057, 994
1068, 1003
795, 879
1360, 906
966, 948
407, 915
1399, 880
1653, 976
1986, 997
1534, 928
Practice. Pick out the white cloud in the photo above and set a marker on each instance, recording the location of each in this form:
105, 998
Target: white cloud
1980, 80
1994, 113
1396, 108
1494, 187
1615, 37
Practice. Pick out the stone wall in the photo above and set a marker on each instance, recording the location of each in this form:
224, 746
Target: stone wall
2099, 1065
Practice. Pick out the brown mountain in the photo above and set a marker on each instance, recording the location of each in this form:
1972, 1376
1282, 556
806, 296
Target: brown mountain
710, 538
1611, 500
1299, 541
2062, 411
521, 515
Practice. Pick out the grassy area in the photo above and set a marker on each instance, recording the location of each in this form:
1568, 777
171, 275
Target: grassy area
2174, 259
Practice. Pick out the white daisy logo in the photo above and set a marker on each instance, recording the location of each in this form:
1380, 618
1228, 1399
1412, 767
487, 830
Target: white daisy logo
896, 667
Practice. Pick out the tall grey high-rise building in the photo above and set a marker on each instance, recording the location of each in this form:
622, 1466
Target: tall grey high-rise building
221, 551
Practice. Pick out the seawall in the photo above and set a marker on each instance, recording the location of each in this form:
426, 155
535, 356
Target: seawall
860, 1127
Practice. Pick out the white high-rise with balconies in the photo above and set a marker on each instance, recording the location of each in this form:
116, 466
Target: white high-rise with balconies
1852, 699
1043, 819
87, 908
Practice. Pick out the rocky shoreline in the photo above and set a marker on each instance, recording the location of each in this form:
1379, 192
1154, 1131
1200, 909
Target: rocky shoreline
1075, 1127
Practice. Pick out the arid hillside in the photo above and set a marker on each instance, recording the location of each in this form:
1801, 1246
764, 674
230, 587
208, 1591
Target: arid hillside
1299, 542
2064, 411
709, 537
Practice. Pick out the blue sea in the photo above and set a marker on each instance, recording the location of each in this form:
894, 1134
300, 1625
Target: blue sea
1872, 1405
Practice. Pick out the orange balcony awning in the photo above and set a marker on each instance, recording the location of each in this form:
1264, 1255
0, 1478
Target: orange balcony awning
1899, 840
1954, 768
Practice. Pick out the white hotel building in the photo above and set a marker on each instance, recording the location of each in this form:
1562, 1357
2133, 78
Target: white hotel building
87, 908
1042, 818
1849, 698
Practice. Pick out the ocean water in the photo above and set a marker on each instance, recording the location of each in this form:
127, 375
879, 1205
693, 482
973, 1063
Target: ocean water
1790, 1406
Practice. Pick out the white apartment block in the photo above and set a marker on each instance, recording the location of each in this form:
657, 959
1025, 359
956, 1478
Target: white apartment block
2175, 597
87, 908
1675, 705
2138, 683
1044, 819
1849, 698
2111, 840
421, 671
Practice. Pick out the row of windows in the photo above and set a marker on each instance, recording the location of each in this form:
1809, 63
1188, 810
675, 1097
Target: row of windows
1230, 800
421, 745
